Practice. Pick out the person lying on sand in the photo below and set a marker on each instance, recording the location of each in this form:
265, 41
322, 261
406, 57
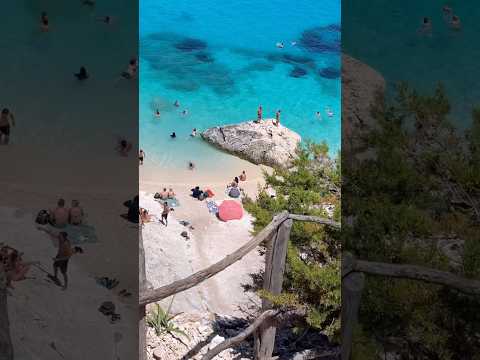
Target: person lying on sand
60, 215
145, 217
64, 253
76, 213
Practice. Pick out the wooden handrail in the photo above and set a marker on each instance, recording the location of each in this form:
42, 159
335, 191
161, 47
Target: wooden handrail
315, 219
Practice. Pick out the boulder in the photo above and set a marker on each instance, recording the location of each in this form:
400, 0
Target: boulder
260, 143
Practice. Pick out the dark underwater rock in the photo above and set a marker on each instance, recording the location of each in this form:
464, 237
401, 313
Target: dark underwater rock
330, 73
321, 39
191, 44
298, 72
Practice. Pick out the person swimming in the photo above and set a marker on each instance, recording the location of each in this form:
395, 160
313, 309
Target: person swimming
293, 43
44, 22
318, 115
455, 22
176, 103
173, 135
157, 113
194, 132
185, 112
191, 166
82, 74
329, 112
426, 27
280, 45
131, 71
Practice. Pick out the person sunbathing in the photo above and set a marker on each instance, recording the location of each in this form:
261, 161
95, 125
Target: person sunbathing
145, 217
60, 215
15, 268
76, 213
171, 194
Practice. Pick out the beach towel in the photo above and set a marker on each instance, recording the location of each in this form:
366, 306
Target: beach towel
78, 234
209, 193
212, 207
171, 202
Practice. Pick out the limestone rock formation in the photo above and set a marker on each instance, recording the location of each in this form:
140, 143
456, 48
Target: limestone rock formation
262, 143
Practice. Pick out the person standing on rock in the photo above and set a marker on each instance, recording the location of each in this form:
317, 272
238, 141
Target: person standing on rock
277, 117
259, 114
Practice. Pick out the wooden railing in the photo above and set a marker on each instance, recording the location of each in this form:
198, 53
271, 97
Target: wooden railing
275, 236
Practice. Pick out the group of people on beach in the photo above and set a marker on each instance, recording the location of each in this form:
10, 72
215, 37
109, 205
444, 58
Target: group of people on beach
450, 18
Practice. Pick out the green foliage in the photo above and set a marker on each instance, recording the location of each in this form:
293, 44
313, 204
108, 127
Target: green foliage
312, 279
161, 321
401, 200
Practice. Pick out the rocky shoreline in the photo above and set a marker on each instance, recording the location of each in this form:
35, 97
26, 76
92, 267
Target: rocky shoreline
260, 143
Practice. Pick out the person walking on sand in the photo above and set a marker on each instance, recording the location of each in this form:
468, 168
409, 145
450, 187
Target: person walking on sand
64, 253
166, 210
6, 120
141, 156
277, 117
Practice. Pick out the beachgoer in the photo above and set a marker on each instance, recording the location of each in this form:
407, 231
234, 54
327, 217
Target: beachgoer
176, 103
157, 113
164, 194
76, 213
131, 71
426, 27
82, 74
259, 114
447, 12
141, 156
60, 215
171, 194
196, 192
185, 112
318, 115
124, 147
243, 176
6, 120
173, 135
145, 217
14, 266
194, 132
277, 117
105, 19
166, 210
64, 253
44, 22
191, 166
455, 23
280, 45
236, 180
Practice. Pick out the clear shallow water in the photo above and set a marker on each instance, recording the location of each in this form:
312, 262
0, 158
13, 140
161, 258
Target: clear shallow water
400, 54
234, 68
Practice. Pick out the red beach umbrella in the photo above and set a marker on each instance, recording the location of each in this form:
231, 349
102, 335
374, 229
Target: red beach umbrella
230, 210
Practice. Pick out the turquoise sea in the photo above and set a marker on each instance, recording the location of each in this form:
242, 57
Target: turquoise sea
220, 61
384, 34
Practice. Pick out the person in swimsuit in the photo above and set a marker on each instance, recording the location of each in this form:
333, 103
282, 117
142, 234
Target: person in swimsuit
455, 23
60, 215
259, 114
277, 117
44, 22
171, 194
76, 213
82, 74
166, 211
131, 72
64, 253
141, 156
194, 132
164, 194
157, 113
243, 176
176, 103
6, 120
173, 135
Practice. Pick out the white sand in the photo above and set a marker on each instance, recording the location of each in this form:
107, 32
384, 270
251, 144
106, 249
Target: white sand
170, 257
41, 313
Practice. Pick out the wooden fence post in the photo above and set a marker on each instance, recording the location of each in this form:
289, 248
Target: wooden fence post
6, 347
142, 281
273, 280
352, 287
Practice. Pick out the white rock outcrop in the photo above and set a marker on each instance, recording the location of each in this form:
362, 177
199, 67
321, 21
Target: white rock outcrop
261, 143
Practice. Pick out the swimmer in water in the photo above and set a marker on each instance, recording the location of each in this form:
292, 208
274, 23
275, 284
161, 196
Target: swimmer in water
293, 43
318, 115
82, 74
194, 132
44, 22
426, 27
105, 19
185, 112
176, 103
173, 135
131, 71
191, 166
157, 113
447, 12
329, 112
279, 45
455, 23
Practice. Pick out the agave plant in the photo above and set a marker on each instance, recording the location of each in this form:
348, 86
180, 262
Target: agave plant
161, 321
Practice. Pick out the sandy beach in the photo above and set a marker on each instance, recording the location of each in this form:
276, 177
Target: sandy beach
170, 257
